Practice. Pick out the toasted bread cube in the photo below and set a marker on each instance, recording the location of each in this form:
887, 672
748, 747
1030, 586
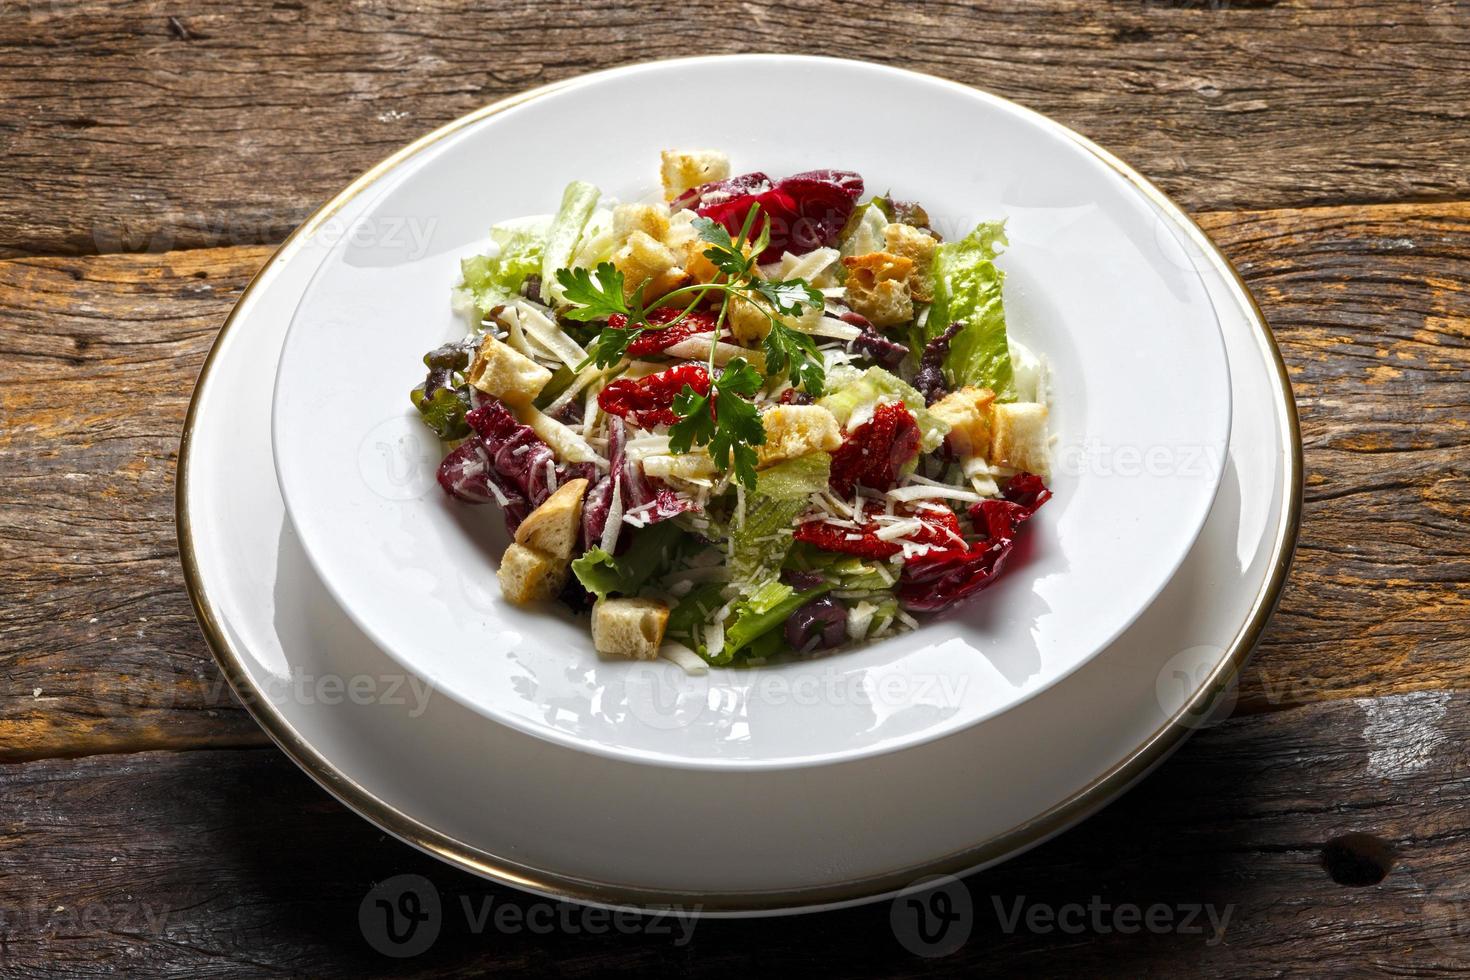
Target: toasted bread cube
749, 323
795, 430
630, 628
878, 287
651, 219
553, 527
698, 267
528, 575
917, 246
506, 373
644, 258
1020, 439
968, 412
683, 169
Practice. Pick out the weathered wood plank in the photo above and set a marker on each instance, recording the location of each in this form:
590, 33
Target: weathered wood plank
243, 867
142, 126
98, 355
1372, 310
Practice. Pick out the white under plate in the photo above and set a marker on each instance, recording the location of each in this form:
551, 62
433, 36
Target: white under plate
523, 811
1095, 281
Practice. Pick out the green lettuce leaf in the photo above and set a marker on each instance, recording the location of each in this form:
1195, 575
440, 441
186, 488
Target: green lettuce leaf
967, 287
577, 203
686, 621
779, 497
653, 549
752, 621
493, 280
875, 383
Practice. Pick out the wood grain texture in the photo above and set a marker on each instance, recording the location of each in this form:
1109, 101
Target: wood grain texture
142, 126
215, 864
98, 354
98, 357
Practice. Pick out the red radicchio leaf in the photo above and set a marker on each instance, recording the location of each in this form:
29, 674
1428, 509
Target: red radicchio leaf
492, 459
806, 211
635, 489
939, 579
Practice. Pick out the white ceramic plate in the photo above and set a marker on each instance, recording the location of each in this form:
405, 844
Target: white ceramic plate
1142, 410
513, 808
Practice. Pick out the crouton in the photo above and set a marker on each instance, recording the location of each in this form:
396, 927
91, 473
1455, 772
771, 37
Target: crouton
553, 527
651, 219
1019, 439
878, 287
698, 267
644, 258
795, 430
630, 628
506, 373
683, 169
528, 575
968, 412
917, 246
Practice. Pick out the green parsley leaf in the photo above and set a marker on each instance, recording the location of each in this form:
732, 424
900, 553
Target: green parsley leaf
733, 428
596, 294
795, 352
696, 425
791, 296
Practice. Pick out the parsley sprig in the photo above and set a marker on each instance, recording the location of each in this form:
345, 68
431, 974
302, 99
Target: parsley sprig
725, 419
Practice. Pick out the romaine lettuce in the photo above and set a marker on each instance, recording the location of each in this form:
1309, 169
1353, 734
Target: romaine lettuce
653, 548
765, 611
577, 203
967, 288
779, 497
490, 281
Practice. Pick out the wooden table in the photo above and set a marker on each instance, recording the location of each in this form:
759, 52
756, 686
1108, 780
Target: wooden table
152, 155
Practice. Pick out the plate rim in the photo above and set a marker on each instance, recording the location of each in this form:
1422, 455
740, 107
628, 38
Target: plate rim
315, 548
1029, 833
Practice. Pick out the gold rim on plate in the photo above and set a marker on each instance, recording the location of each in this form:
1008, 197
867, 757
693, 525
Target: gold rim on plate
1019, 838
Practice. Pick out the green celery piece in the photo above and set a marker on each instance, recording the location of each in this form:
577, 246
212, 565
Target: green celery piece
577, 203
653, 548
766, 610
873, 384
692, 612
967, 287
492, 281
846, 572
780, 496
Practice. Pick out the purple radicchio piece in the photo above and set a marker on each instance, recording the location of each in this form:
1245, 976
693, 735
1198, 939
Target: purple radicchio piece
930, 379
467, 474
649, 501
505, 461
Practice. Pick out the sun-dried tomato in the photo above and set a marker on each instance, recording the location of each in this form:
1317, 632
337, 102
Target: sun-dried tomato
805, 211
647, 402
654, 341
941, 529
941, 578
873, 452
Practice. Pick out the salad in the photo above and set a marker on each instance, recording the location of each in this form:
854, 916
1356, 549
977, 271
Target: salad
759, 418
